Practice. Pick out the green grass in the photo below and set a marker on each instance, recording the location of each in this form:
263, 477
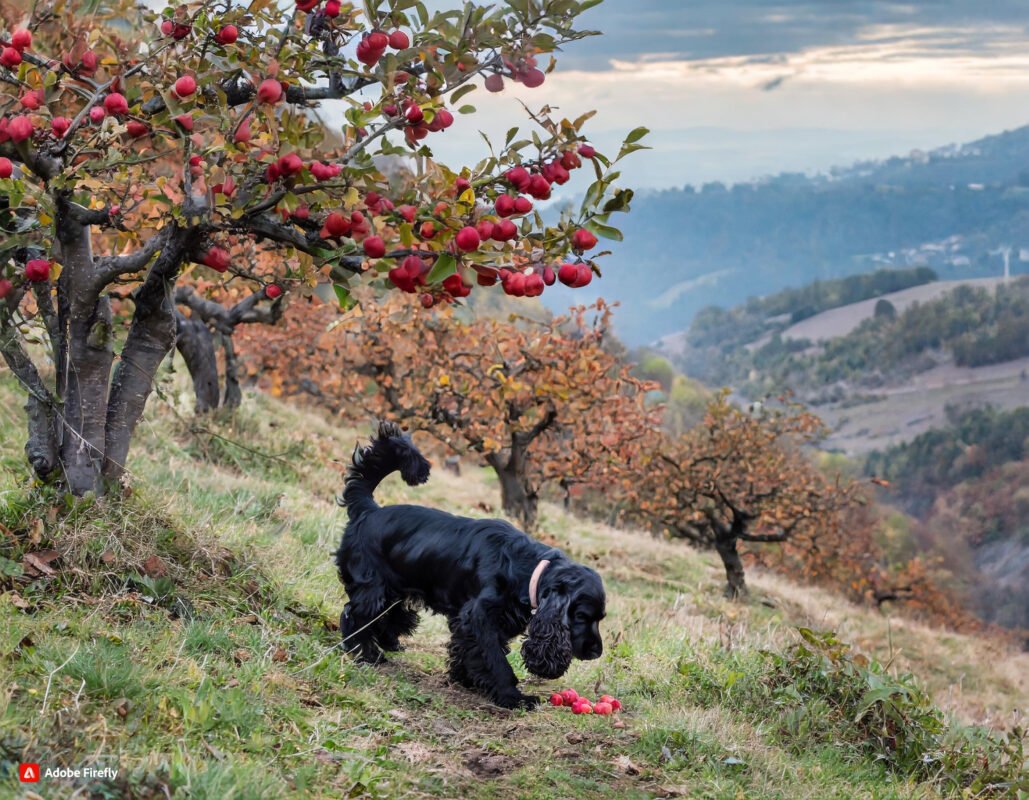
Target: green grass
188, 638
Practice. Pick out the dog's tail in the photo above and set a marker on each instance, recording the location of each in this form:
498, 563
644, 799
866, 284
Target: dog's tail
390, 450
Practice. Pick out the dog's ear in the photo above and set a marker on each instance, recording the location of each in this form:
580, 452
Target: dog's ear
547, 650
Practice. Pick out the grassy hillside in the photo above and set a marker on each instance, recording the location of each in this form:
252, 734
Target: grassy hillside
188, 639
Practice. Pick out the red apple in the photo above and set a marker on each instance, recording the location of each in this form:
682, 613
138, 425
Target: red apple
37, 270
539, 187
533, 78
534, 285
505, 205
290, 164
273, 291
399, 40
374, 247
587, 151
242, 134
583, 239
135, 129
59, 126
467, 239
216, 258
414, 114
568, 274
485, 229
270, 91
584, 276
19, 129
519, 177
115, 103
6, 287
6, 168
10, 57
505, 231
494, 83
227, 35
97, 114
88, 63
185, 86
21, 39
335, 225
523, 205
427, 300
602, 708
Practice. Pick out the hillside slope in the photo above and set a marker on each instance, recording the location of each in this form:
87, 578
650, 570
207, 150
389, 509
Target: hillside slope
221, 677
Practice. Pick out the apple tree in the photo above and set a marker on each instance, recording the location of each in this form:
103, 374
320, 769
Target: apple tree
140, 149
539, 401
739, 477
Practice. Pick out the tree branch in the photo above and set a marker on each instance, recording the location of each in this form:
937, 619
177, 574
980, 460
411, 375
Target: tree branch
111, 267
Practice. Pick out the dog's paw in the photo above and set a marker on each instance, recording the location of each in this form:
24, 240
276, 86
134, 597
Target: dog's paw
366, 656
516, 699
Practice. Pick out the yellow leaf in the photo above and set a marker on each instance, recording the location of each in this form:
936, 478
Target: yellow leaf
444, 380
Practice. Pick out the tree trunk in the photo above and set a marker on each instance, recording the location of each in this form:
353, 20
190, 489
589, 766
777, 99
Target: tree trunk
736, 586
233, 393
195, 343
517, 495
151, 337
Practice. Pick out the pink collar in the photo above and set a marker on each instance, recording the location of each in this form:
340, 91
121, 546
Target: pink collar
534, 581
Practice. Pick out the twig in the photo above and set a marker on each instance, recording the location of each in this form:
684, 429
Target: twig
50, 678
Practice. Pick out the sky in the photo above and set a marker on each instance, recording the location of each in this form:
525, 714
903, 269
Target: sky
734, 90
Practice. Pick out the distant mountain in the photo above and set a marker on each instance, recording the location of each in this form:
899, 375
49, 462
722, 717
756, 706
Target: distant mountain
957, 209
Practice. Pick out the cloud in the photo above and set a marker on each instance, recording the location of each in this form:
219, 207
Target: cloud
704, 29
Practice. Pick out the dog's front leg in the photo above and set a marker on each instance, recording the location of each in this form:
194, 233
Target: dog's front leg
484, 660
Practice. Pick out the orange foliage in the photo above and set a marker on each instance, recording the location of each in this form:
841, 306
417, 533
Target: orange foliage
537, 401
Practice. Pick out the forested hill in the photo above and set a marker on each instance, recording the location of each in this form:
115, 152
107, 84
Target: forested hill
950, 209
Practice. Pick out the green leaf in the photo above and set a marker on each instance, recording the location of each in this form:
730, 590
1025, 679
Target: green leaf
468, 87
466, 110
636, 135
630, 148
346, 300
10, 569
605, 231
620, 201
445, 266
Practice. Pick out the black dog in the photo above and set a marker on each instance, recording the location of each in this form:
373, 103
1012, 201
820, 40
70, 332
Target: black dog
484, 574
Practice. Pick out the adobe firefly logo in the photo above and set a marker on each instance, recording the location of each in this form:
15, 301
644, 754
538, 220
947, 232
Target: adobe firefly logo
28, 773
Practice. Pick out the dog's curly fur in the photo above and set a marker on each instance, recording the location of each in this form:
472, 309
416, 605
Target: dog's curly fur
476, 572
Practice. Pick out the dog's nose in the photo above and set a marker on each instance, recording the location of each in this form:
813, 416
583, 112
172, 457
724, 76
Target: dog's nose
594, 652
